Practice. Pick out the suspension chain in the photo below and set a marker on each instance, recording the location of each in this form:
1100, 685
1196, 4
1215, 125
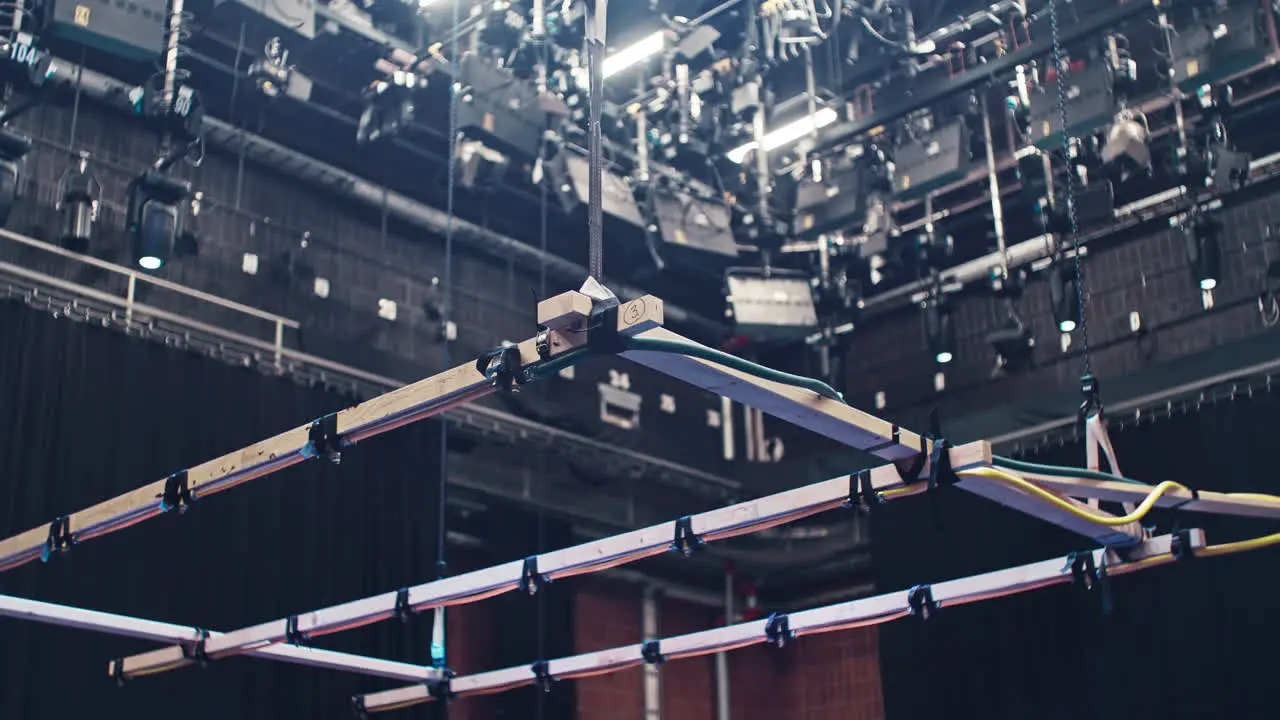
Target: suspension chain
1081, 293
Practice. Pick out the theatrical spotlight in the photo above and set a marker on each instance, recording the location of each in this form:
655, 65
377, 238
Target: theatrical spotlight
154, 218
939, 331
388, 106
13, 150
1204, 251
1125, 151
1013, 344
78, 195
273, 76
1064, 296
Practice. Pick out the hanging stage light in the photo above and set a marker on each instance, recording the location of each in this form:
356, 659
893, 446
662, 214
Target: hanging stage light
1064, 296
939, 330
388, 106
154, 218
13, 150
1014, 344
1204, 252
78, 195
1126, 150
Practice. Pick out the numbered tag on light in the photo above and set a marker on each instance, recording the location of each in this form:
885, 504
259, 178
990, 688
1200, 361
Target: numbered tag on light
25, 56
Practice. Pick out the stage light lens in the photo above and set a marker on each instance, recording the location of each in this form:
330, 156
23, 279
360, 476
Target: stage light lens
943, 357
150, 262
1067, 326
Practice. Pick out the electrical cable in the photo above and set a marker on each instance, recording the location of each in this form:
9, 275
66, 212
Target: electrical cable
1109, 520
75, 104
446, 293
1081, 294
1059, 470
541, 609
678, 347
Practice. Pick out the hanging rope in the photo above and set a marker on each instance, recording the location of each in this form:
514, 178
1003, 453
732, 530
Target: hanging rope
1081, 295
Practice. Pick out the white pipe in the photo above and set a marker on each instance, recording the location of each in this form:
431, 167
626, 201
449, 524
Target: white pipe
722, 659
993, 181
79, 618
652, 675
173, 41
864, 612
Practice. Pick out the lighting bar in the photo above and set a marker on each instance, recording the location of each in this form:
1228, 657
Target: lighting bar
786, 134
397, 408
635, 54
863, 612
718, 524
79, 618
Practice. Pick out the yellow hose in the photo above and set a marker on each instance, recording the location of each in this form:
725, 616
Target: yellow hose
1110, 520
1139, 512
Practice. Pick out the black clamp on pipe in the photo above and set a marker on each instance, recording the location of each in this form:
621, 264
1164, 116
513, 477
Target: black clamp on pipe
292, 634
911, 475
177, 493
893, 441
402, 610
500, 366
1083, 568
1089, 575
194, 651
940, 470
358, 708
920, 600
542, 676
862, 493
530, 579
685, 540
117, 672
441, 690
323, 440
651, 651
777, 629
59, 538
602, 332
1180, 546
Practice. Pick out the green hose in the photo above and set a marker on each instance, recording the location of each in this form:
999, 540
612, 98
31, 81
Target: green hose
1059, 470
676, 347
565, 359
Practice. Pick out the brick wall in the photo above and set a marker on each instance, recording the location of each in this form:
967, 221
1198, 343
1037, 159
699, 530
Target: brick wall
605, 616
826, 677
469, 639
688, 686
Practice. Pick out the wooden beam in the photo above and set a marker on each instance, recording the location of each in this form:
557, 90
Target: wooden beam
1217, 503
399, 407
831, 418
1020, 500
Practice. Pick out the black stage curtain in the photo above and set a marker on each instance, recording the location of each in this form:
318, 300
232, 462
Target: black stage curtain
87, 413
1195, 640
